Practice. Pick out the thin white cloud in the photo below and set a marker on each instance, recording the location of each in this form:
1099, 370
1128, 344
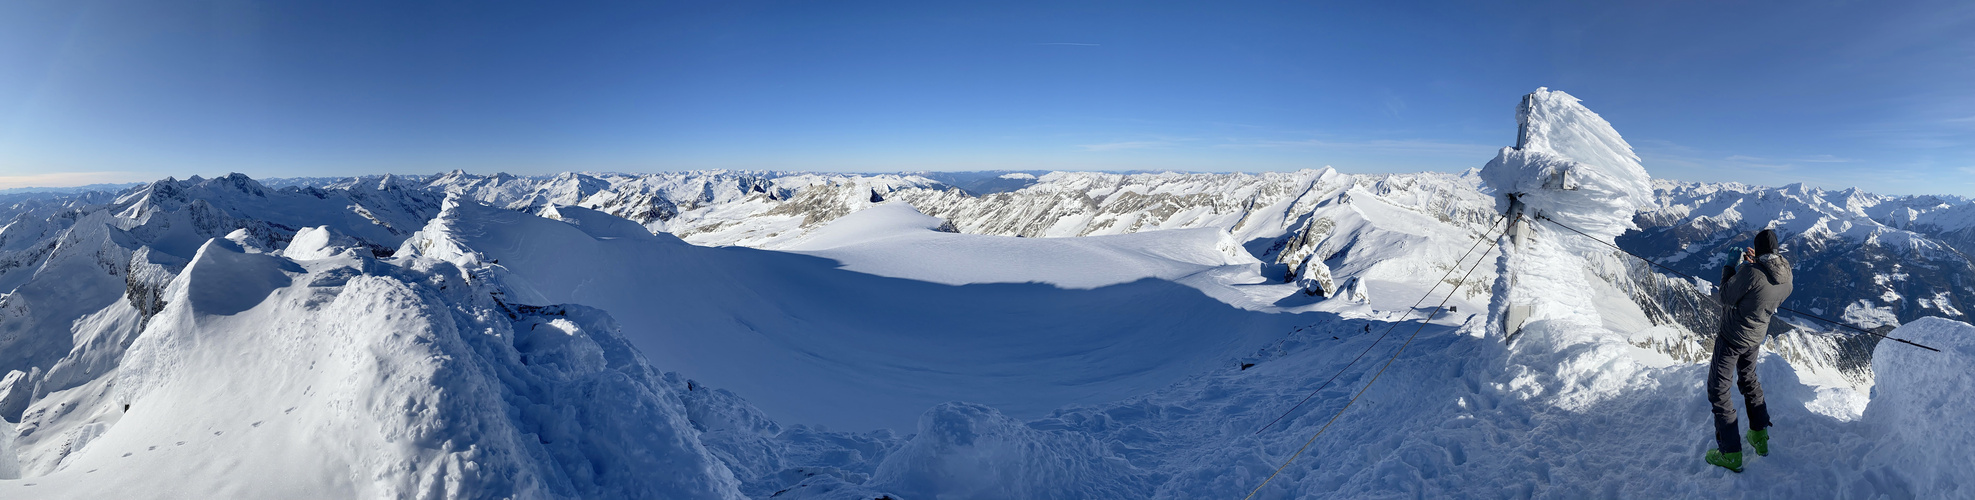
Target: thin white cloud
1120, 146
66, 179
1806, 159
1748, 163
1662, 144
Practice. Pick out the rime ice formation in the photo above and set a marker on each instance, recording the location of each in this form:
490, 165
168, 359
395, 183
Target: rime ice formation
1571, 166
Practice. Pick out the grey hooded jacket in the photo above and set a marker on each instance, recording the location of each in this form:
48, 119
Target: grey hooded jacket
1751, 297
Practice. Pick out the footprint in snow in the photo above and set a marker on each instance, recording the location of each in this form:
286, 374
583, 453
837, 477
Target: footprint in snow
258, 424
126, 455
153, 448
181, 443
216, 433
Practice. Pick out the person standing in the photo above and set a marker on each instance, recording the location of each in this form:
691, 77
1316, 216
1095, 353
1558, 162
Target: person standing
1749, 297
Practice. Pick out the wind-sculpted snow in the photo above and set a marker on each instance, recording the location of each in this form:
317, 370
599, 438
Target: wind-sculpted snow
1920, 402
1573, 167
1573, 343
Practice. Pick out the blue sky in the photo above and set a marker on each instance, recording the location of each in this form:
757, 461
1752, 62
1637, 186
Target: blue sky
1833, 94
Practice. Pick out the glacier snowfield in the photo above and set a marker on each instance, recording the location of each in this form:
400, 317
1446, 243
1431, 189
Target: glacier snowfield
966, 335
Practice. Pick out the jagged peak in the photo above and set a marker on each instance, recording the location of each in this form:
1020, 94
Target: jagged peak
1570, 164
243, 183
1557, 122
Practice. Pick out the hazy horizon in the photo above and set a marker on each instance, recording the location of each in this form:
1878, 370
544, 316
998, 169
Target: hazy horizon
115, 186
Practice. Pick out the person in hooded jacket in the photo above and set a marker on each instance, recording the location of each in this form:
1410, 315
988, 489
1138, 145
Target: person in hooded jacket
1750, 294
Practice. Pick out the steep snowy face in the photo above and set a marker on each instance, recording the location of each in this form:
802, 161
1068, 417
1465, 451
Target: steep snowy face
1570, 165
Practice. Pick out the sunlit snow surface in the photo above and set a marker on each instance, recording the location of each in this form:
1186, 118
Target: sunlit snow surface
871, 351
520, 345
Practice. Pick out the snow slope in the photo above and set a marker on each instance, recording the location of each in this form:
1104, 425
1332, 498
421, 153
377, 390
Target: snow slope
897, 241
874, 351
350, 377
1446, 421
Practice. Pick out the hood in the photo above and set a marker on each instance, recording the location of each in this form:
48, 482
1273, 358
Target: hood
1776, 267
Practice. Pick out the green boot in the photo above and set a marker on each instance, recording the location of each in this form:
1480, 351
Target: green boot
1759, 439
1730, 461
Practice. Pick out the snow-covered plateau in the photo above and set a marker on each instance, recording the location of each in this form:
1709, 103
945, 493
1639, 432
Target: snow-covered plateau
975, 335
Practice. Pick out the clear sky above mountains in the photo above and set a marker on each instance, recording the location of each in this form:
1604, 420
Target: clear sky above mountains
1833, 94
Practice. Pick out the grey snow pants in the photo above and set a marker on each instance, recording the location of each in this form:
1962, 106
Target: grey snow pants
1729, 362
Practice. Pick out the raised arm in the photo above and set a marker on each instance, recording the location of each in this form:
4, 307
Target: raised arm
1727, 273
1737, 286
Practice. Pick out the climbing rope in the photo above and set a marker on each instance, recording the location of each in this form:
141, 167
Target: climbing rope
1388, 330
1374, 379
1691, 277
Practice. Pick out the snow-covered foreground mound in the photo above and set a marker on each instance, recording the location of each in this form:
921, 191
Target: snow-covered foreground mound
811, 343
348, 377
1447, 421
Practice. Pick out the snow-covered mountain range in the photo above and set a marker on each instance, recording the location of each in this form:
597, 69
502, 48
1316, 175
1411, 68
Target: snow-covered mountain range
962, 335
